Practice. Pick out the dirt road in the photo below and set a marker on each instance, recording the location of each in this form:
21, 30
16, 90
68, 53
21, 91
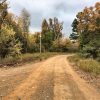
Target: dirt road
53, 79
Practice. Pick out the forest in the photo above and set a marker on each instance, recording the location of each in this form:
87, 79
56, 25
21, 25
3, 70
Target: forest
16, 39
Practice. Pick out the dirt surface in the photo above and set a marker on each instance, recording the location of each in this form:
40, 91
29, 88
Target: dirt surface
53, 79
90, 78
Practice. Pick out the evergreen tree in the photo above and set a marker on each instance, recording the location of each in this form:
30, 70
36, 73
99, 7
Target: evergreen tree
74, 35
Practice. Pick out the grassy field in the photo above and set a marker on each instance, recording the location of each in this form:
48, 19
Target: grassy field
87, 65
25, 58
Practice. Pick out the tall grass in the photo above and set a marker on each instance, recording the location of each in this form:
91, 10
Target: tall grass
87, 65
24, 58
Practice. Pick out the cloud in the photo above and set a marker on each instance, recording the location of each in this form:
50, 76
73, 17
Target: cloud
40, 9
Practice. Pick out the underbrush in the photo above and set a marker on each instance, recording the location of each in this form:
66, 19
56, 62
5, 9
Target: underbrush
87, 65
25, 58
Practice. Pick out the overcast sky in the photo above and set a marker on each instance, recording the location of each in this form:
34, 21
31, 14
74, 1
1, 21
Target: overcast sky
64, 10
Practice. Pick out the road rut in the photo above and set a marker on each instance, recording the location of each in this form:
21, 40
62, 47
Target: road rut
53, 79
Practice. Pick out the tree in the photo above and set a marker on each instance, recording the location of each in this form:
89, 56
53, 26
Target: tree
45, 27
54, 26
74, 35
9, 46
36, 43
25, 16
24, 38
57, 28
88, 28
47, 41
51, 30
13, 21
3, 11
24, 23
61, 45
47, 37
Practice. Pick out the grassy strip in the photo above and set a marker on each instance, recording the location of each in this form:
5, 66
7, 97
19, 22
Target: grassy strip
25, 58
87, 65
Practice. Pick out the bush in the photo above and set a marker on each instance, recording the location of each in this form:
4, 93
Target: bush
62, 45
89, 51
8, 61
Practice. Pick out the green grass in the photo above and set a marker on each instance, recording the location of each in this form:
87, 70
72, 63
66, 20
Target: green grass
25, 58
87, 65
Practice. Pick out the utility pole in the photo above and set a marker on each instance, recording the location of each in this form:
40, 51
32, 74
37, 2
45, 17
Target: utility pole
40, 43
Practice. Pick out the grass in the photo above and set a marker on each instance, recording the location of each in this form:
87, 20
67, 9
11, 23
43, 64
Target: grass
25, 58
87, 65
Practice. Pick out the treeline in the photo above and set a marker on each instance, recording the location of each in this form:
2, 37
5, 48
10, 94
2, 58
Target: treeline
86, 31
15, 38
14, 31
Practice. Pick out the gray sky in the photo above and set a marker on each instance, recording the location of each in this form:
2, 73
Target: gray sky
64, 10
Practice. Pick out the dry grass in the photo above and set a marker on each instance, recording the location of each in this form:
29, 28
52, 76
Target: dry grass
25, 58
87, 65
